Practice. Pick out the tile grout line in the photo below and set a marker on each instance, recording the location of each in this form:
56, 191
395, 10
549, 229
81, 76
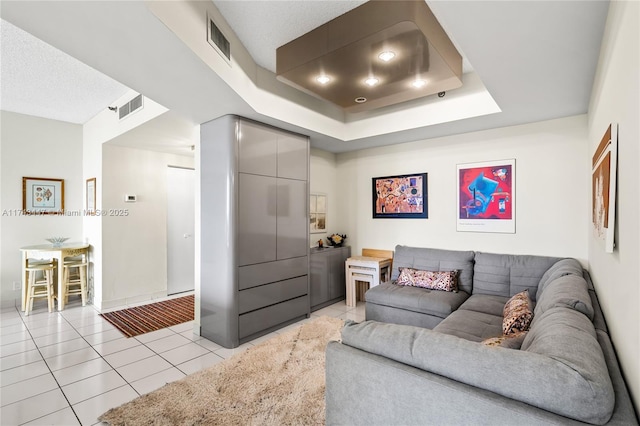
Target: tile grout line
334, 312
103, 359
50, 372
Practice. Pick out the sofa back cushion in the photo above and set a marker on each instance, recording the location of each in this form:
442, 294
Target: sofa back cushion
568, 291
508, 274
560, 269
428, 259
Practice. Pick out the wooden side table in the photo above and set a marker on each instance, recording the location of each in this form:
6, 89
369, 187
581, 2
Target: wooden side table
367, 269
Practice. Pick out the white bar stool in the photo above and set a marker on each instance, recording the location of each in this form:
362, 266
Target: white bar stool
74, 280
39, 288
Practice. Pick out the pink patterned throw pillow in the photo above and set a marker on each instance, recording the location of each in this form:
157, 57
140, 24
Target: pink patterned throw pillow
517, 313
405, 277
434, 280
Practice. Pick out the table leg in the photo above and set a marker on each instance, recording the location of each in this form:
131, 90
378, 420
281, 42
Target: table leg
375, 278
25, 256
59, 257
351, 290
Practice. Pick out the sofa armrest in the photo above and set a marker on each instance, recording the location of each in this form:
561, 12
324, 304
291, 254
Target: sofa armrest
368, 389
529, 377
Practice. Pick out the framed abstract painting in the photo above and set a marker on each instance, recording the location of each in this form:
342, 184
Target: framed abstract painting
603, 188
403, 196
486, 197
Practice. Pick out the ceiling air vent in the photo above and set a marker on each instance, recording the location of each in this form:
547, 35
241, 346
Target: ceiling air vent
218, 40
130, 107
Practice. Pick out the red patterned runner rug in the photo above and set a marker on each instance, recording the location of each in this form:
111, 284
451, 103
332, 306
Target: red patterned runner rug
154, 316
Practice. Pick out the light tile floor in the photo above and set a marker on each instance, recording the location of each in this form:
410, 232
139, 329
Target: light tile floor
67, 368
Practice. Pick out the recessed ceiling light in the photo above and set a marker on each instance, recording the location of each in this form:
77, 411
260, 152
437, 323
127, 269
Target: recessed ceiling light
323, 79
386, 56
361, 100
418, 83
371, 81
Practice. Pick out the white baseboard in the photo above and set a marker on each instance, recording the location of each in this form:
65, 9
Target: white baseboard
10, 303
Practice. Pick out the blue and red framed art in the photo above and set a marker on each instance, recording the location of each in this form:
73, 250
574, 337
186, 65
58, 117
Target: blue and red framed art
486, 197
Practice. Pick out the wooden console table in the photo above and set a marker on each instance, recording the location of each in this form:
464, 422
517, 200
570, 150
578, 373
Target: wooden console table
367, 269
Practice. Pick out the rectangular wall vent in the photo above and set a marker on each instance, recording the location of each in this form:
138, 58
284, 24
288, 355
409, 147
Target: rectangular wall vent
218, 40
130, 107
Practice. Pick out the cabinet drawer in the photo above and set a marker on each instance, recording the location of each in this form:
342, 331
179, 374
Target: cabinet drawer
270, 294
270, 316
263, 273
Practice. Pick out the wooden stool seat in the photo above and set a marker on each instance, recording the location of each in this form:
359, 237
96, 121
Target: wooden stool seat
39, 288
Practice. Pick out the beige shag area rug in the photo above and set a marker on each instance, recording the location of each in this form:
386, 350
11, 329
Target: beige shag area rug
278, 382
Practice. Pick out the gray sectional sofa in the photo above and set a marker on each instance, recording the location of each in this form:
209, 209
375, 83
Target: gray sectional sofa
418, 359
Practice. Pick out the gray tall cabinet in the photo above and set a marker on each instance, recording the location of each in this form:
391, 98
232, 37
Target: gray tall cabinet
254, 226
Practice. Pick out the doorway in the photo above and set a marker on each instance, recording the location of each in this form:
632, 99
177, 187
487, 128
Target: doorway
180, 230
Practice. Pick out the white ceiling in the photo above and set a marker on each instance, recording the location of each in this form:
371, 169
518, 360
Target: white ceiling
536, 58
40, 80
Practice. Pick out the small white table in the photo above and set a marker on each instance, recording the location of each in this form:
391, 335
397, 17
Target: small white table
48, 251
367, 269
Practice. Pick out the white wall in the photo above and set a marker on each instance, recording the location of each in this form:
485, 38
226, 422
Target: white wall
551, 194
322, 179
134, 247
615, 99
103, 127
36, 147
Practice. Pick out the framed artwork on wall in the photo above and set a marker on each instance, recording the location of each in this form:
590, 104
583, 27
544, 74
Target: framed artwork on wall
486, 197
403, 196
91, 196
42, 195
317, 213
603, 188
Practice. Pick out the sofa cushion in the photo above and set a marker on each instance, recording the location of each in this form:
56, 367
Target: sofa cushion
435, 260
568, 291
471, 325
506, 274
553, 384
434, 280
485, 303
569, 337
422, 300
509, 341
517, 313
559, 269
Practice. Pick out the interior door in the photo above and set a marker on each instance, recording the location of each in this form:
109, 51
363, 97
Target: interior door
180, 229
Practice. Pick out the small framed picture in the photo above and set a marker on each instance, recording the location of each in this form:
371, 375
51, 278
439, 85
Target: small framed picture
317, 213
91, 196
42, 195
